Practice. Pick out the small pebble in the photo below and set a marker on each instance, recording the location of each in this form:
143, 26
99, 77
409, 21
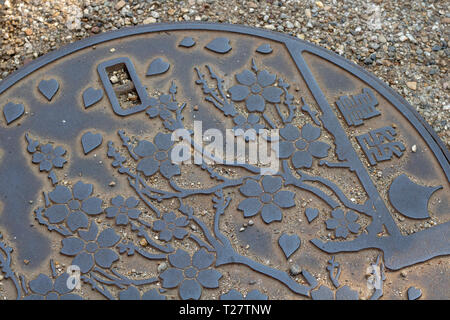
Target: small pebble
295, 270
143, 242
162, 266
114, 79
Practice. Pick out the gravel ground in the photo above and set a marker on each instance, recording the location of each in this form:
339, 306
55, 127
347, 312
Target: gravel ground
405, 43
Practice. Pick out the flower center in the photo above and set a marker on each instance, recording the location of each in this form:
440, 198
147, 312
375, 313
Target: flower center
266, 197
256, 88
91, 247
123, 210
160, 156
171, 226
190, 272
301, 144
74, 205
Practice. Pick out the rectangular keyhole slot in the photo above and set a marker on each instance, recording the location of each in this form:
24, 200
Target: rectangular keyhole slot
123, 86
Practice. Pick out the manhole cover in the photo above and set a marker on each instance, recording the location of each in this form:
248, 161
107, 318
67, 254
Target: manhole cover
209, 162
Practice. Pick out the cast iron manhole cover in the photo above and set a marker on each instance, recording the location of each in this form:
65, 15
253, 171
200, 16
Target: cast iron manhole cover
297, 175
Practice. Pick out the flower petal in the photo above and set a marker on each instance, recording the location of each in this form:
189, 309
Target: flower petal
319, 149
302, 159
92, 206
265, 78
171, 278
82, 191
52, 296
332, 224
253, 118
354, 227
272, 94
255, 103
239, 120
256, 295
47, 148
159, 225
310, 132
59, 162
323, 293
338, 214
180, 233
37, 157
164, 99
108, 238
122, 219
145, 148
165, 114
56, 213
77, 220
271, 184
60, 285
59, 151
91, 234
153, 295
290, 132
345, 293
131, 202
250, 206
232, 295
148, 166
134, 214
246, 77
105, 258
111, 212
169, 169
84, 261
181, 222
285, 149
118, 201
239, 92
169, 217
172, 105
251, 188
180, 259
152, 112
190, 289
41, 285
270, 213
60, 194
130, 294
166, 235
284, 199
72, 246
209, 278
202, 259
341, 232
163, 141
351, 216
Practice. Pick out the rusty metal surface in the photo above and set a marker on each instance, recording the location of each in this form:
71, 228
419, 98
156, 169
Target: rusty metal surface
359, 208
